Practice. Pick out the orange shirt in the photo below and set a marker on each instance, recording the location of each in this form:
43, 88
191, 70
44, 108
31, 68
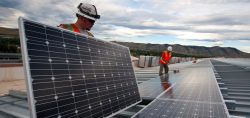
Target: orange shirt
165, 57
74, 28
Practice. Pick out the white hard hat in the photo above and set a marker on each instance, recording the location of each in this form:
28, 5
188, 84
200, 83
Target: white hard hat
169, 48
88, 11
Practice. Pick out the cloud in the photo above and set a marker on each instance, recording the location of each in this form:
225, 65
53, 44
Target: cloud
245, 48
45, 11
9, 3
9, 16
213, 21
233, 18
198, 36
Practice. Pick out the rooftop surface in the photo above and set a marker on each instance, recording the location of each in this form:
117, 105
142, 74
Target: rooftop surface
231, 75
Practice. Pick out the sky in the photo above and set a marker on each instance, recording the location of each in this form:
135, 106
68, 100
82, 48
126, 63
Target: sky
224, 23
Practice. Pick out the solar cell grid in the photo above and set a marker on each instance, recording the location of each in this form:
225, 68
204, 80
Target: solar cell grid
182, 109
199, 88
73, 76
196, 95
150, 89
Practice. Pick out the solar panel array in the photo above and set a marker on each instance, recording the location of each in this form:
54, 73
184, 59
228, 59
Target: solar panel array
72, 76
195, 96
150, 89
234, 82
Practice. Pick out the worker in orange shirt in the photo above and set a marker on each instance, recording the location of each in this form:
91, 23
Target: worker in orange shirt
164, 60
86, 17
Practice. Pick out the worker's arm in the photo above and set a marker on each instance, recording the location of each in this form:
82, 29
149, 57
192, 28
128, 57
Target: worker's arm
90, 34
170, 56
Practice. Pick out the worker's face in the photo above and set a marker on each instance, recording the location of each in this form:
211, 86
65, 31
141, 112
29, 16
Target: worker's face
168, 50
87, 23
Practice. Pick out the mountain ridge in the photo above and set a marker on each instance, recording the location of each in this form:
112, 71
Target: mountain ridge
215, 51
9, 32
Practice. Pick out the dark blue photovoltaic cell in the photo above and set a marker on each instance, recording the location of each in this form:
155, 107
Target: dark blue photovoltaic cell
75, 77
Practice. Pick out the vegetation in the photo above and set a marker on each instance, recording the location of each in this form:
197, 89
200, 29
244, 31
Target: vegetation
12, 45
9, 45
137, 53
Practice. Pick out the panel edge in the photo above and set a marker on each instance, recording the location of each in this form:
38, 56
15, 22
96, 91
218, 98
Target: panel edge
25, 59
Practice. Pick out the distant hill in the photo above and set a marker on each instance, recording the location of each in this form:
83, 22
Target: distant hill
190, 50
198, 51
8, 32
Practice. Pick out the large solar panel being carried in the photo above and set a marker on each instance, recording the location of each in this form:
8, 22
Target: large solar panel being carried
73, 76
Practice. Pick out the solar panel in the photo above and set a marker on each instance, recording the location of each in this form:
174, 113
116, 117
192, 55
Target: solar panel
235, 84
199, 88
196, 95
182, 109
150, 89
73, 76
222, 67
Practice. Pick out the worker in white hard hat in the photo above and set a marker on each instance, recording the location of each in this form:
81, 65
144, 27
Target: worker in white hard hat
164, 60
86, 17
